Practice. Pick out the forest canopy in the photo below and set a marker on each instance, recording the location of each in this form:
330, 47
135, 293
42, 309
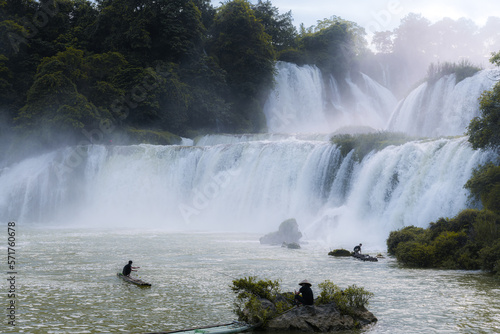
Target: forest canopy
74, 67
80, 71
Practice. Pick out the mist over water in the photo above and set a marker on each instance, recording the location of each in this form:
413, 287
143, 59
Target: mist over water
304, 100
251, 183
442, 108
249, 187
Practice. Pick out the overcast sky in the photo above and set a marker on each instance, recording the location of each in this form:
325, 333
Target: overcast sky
377, 15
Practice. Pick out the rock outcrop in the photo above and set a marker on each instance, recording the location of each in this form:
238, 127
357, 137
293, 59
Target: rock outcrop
288, 232
313, 318
321, 318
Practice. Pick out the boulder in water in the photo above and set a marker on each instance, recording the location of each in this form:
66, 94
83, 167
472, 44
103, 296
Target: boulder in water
288, 232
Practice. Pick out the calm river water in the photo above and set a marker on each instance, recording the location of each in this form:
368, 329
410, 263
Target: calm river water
66, 283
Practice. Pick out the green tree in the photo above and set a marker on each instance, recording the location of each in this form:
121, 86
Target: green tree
54, 109
168, 30
333, 45
484, 185
382, 40
279, 26
484, 131
245, 52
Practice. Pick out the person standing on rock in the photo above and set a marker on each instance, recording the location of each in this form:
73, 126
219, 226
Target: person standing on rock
304, 295
357, 249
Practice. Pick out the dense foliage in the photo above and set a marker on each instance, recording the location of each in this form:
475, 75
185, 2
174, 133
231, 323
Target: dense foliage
471, 240
484, 131
79, 71
339, 252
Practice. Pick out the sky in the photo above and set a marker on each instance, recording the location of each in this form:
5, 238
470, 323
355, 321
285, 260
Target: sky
380, 15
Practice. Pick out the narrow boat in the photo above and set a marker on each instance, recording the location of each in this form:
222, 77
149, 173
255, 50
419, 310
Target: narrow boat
132, 280
234, 327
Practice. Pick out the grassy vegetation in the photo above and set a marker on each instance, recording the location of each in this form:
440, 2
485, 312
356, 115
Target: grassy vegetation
363, 144
462, 70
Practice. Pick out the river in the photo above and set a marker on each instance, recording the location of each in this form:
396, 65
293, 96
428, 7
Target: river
66, 282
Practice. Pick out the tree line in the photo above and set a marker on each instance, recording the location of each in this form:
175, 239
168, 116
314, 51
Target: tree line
69, 67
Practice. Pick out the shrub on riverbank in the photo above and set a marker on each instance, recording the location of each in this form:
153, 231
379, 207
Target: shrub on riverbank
471, 240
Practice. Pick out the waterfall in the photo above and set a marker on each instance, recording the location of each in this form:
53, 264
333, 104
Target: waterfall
442, 108
304, 100
297, 103
252, 182
246, 186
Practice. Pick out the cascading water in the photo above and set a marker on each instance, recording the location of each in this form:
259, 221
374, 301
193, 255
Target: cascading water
442, 108
253, 182
248, 186
304, 101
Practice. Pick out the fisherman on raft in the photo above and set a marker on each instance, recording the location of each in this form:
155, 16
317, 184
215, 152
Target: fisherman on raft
304, 295
128, 269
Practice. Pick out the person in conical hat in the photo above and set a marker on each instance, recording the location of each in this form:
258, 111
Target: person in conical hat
305, 295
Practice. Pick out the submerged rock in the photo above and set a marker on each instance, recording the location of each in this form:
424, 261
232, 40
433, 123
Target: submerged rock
292, 245
288, 232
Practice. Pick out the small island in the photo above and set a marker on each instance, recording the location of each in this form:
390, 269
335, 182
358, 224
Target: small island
263, 304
